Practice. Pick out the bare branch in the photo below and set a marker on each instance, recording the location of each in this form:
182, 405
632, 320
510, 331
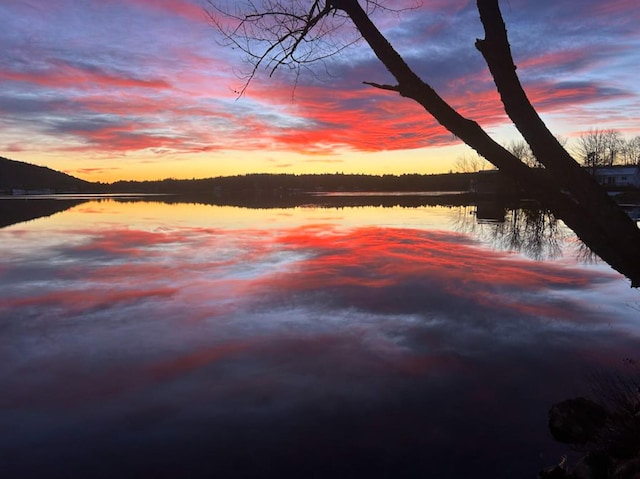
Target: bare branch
273, 33
395, 88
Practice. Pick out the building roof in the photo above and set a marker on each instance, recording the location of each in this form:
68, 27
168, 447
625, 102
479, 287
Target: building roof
618, 170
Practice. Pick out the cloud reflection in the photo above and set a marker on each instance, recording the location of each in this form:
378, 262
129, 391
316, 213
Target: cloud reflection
371, 269
317, 346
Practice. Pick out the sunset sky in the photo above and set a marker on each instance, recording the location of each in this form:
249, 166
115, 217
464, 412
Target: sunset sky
142, 89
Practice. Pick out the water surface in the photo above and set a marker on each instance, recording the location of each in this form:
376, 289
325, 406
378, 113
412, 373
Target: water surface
142, 339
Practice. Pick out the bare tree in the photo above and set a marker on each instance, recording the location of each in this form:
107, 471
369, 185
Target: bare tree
630, 151
470, 163
277, 33
521, 150
597, 148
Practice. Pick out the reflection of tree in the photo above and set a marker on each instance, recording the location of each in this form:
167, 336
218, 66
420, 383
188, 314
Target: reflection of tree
585, 255
527, 230
530, 230
14, 211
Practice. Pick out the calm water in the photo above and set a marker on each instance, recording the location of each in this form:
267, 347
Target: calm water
141, 339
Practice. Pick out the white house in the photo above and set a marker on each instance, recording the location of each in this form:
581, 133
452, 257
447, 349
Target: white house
623, 176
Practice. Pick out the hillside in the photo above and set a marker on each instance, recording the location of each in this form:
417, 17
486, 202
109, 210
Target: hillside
17, 175
25, 176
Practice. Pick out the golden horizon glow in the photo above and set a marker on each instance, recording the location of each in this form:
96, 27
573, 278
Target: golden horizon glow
231, 163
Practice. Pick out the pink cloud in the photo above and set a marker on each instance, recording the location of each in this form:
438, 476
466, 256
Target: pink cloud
64, 75
555, 58
615, 7
370, 120
123, 138
181, 8
83, 300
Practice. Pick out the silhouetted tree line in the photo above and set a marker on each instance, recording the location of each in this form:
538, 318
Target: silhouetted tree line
289, 184
598, 148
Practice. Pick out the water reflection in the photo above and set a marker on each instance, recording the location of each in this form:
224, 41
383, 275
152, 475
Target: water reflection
14, 211
523, 228
145, 339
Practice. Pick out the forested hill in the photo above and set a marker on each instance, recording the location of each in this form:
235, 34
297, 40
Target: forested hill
282, 183
16, 175
25, 176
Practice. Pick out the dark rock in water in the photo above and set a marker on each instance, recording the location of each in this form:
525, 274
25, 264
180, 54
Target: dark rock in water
555, 472
576, 421
621, 439
610, 438
627, 469
592, 466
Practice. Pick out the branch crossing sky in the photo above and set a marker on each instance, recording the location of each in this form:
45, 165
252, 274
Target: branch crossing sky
141, 89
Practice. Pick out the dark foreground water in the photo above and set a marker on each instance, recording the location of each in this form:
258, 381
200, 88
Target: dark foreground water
140, 339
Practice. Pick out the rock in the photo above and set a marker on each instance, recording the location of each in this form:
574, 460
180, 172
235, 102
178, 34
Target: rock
592, 466
627, 469
553, 472
576, 421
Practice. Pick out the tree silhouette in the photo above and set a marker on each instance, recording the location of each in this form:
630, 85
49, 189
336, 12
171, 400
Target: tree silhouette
597, 148
294, 34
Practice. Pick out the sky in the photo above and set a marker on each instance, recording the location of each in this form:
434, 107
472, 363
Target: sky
145, 89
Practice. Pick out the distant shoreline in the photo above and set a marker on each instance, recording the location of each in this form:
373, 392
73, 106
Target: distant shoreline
81, 196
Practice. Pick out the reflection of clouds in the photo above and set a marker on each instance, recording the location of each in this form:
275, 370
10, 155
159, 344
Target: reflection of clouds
125, 243
87, 299
408, 271
370, 269
319, 339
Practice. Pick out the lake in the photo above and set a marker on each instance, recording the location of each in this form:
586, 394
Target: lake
147, 339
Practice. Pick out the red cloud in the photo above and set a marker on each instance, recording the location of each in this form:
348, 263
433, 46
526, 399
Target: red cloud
89, 299
369, 120
364, 120
125, 138
181, 8
63, 75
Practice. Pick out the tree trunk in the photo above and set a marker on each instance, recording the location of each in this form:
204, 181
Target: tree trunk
563, 187
597, 210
